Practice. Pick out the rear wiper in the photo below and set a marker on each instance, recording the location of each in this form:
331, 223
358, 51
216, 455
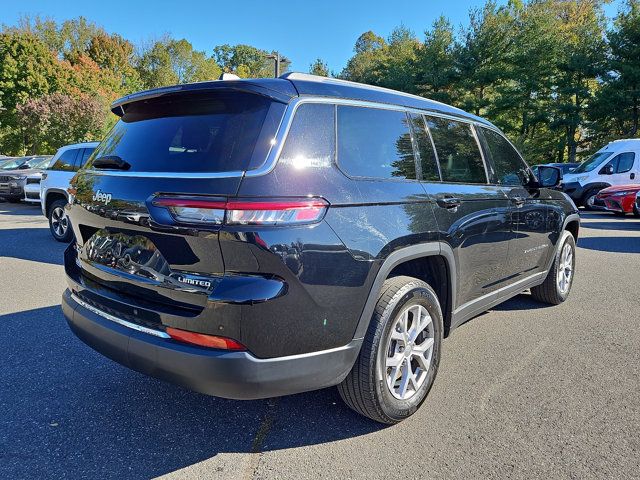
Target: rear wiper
111, 161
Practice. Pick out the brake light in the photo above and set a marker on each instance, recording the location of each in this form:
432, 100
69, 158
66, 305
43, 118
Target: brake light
203, 340
245, 212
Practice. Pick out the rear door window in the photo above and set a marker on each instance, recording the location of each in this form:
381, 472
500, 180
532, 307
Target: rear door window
375, 143
458, 153
427, 163
194, 133
82, 159
66, 161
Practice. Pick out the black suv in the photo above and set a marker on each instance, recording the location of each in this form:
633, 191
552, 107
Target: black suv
256, 238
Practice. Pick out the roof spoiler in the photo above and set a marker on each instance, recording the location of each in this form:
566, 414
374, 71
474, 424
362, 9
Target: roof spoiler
274, 89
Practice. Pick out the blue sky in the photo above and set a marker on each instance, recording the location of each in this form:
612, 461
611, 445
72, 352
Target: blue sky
301, 30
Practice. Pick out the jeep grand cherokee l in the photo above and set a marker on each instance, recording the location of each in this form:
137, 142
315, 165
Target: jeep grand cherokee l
256, 238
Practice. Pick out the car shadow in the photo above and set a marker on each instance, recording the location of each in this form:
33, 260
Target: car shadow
41, 246
7, 208
523, 301
611, 244
68, 411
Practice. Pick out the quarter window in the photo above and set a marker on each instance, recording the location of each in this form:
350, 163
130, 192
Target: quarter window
86, 153
311, 138
375, 143
507, 164
458, 153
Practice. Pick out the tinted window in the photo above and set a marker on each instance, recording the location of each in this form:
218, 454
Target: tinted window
66, 161
82, 159
592, 162
458, 153
613, 163
375, 143
427, 164
625, 162
311, 138
188, 133
507, 164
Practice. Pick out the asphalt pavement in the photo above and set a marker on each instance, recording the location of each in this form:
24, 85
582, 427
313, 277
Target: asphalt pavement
524, 390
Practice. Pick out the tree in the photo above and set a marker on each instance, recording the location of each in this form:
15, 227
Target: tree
615, 111
365, 66
169, 62
247, 61
319, 67
28, 69
51, 121
436, 75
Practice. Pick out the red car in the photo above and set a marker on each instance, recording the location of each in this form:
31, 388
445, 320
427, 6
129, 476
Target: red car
620, 199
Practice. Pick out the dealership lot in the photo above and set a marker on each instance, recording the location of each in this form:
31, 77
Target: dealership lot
524, 390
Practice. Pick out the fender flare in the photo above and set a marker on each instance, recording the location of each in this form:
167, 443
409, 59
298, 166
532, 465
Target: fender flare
402, 255
45, 200
590, 186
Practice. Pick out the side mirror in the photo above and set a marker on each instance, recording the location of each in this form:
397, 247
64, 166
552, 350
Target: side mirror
548, 177
607, 170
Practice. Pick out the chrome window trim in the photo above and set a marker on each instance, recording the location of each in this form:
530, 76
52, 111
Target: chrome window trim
124, 173
285, 125
119, 321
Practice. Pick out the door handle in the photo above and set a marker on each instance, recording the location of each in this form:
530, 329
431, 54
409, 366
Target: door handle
518, 201
449, 202
632, 176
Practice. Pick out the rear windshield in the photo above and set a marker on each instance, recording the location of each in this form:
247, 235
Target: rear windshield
187, 133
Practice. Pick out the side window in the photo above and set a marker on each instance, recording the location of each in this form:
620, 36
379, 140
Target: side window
82, 159
613, 163
625, 162
311, 138
507, 164
66, 161
427, 163
375, 143
458, 152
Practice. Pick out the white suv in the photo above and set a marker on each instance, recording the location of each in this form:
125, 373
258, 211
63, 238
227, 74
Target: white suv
54, 184
617, 163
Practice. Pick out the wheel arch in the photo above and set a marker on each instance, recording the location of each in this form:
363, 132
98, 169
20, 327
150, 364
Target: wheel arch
51, 196
398, 262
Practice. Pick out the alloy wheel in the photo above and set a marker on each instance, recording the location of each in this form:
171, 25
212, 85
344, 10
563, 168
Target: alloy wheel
565, 269
409, 352
59, 221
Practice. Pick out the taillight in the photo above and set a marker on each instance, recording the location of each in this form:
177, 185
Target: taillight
204, 340
297, 211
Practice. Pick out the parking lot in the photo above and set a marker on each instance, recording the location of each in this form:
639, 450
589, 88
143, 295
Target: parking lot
524, 390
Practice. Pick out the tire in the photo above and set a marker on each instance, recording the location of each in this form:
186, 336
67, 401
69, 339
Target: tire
551, 290
366, 389
588, 198
636, 212
619, 214
13, 199
58, 222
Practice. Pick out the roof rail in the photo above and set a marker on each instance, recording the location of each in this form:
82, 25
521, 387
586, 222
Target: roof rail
338, 81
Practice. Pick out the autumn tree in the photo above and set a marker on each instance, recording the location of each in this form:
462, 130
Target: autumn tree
319, 67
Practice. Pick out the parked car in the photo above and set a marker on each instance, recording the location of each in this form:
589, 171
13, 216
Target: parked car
32, 180
14, 174
620, 199
55, 182
256, 238
618, 163
564, 167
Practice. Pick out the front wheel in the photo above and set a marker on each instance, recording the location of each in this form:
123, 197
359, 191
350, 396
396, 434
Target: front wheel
400, 354
636, 211
589, 199
556, 287
59, 222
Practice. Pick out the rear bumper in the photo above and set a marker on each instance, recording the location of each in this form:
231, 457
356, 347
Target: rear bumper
235, 375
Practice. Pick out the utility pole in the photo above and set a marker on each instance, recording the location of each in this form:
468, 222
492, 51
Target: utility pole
276, 59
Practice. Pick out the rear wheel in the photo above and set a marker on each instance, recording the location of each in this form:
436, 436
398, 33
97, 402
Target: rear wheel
59, 222
556, 287
400, 354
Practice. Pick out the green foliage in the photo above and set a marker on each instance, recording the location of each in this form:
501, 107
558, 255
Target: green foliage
247, 61
51, 121
319, 67
169, 62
